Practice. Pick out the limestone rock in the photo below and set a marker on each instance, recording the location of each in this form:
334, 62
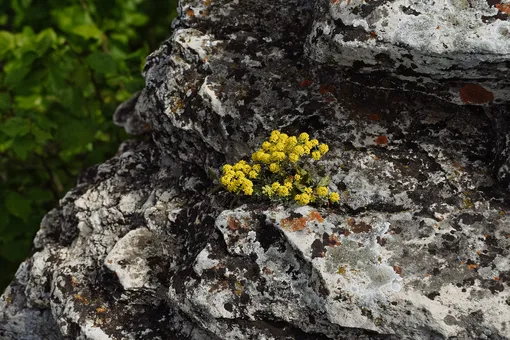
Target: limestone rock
411, 96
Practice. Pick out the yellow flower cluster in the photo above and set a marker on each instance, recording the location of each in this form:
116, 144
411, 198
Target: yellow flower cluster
275, 171
235, 178
281, 147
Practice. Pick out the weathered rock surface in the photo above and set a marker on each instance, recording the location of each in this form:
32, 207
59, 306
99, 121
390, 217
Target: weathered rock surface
411, 96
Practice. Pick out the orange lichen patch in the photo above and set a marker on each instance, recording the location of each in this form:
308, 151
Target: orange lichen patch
233, 223
475, 94
190, 13
438, 27
221, 285
496, 278
74, 282
374, 117
341, 270
381, 140
239, 288
505, 8
501, 212
473, 266
207, 2
373, 35
398, 270
326, 89
267, 271
305, 83
333, 240
358, 227
100, 310
81, 298
297, 224
428, 275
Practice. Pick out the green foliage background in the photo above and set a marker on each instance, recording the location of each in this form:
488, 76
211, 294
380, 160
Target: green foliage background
65, 65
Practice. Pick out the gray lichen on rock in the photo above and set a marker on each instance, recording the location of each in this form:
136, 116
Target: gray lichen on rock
411, 96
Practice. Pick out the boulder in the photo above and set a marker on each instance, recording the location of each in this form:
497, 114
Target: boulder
412, 98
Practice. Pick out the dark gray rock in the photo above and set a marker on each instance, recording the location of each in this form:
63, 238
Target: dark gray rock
416, 116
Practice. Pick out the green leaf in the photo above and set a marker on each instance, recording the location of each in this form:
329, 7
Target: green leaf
88, 31
17, 205
323, 182
102, 63
41, 136
7, 42
22, 147
45, 39
5, 101
16, 126
15, 76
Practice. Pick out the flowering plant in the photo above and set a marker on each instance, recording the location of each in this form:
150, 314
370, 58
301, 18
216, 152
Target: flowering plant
282, 169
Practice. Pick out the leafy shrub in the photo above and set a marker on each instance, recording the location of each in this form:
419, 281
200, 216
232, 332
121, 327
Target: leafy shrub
64, 67
282, 169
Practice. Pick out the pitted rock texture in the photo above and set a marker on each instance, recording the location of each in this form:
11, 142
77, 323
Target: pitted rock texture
147, 247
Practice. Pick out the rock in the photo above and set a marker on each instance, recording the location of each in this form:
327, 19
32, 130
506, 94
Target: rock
416, 116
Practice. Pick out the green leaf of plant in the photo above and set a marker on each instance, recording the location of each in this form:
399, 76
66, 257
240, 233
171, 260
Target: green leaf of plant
88, 31
5, 101
16, 126
22, 147
15, 76
17, 205
45, 39
7, 42
323, 182
102, 63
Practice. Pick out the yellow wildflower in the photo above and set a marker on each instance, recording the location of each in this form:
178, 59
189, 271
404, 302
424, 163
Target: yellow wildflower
248, 191
302, 199
278, 156
266, 190
316, 155
240, 174
307, 150
283, 191
323, 148
303, 138
275, 186
227, 168
274, 136
291, 142
283, 138
308, 190
299, 150
297, 177
334, 197
256, 167
293, 158
314, 142
266, 146
322, 191
253, 174
274, 167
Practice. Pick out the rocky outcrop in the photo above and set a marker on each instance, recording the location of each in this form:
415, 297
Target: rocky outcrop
412, 98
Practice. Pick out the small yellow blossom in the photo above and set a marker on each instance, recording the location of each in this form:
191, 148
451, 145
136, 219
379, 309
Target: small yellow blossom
227, 168
334, 197
266, 146
240, 174
303, 138
253, 174
293, 158
314, 142
299, 150
275, 186
316, 155
274, 136
323, 148
308, 190
248, 191
302, 199
283, 191
322, 191
266, 190
256, 167
307, 150
278, 156
274, 167
297, 177
291, 142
